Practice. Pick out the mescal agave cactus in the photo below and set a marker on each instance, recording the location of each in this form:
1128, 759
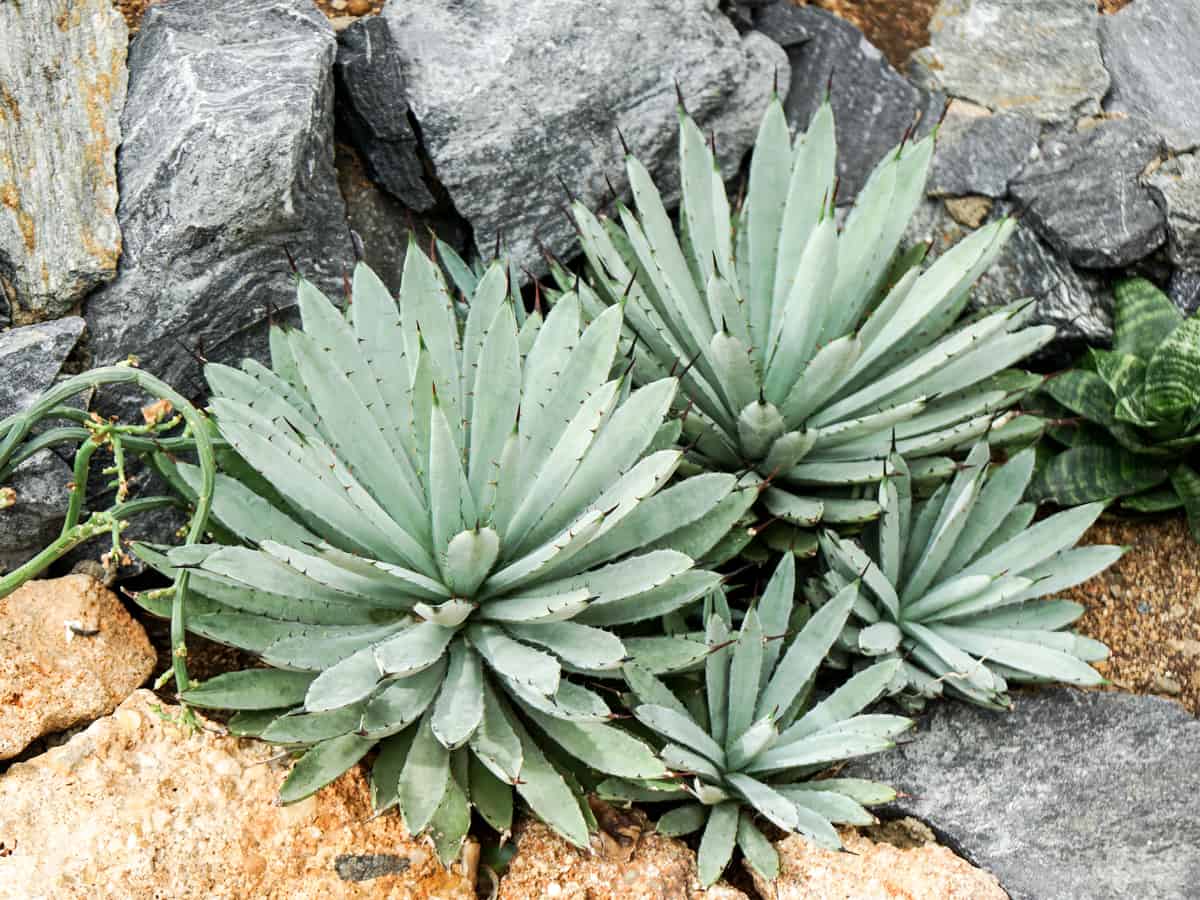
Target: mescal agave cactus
444, 520
751, 736
1139, 411
804, 353
955, 585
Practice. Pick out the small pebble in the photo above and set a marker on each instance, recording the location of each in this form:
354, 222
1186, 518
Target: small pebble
1143, 607
358, 7
1169, 686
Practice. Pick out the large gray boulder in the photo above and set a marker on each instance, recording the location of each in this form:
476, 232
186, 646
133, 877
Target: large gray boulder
1039, 57
873, 104
511, 98
62, 85
1085, 194
1150, 50
1176, 187
1071, 795
979, 152
31, 358
227, 165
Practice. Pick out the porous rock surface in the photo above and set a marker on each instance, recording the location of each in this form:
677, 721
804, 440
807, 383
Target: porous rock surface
1072, 794
1085, 194
652, 867
1149, 47
511, 99
137, 808
1040, 57
917, 869
71, 653
62, 85
226, 167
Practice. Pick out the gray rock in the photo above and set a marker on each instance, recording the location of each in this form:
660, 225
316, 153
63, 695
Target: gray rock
1040, 57
1184, 290
31, 358
873, 104
512, 97
1149, 48
979, 152
783, 23
227, 164
62, 85
1078, 305
1071, 795
371, 104
1176, 187
383, 223
1085, 196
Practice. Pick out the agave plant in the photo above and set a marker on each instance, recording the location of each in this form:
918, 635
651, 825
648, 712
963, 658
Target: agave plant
1138, 409
436, 530
956, 586
751, 737
806, 350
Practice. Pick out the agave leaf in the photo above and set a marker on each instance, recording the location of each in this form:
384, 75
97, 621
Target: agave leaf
683, 729
602, 746
760, 854
666, 655
400, 703
716, 675
424, 779
1039, 542
537, 670
547, 794
323, 764
250, 689
745, 670
575, 644
451, 822
1026, 657
650, 690
859, 692
717, 842
682, 820
495, 742
499, 379
246, 513
413, 649
675, 594
310, 728
459, 707
775, 612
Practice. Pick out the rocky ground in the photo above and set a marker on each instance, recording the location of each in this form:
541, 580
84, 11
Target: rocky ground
179, 170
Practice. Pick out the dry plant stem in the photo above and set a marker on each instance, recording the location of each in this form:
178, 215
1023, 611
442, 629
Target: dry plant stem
16, 428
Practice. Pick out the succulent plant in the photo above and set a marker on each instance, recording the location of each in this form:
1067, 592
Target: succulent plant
1138, 409
751, 737
805, 350
955, 586
442, 520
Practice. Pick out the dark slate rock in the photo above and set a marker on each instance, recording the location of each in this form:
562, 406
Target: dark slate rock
370, 87
1150, 50
31, 358
873, 104
1077, 304
510, 98
1085, 196
1071, 796
227, 164
1039, 57
1176, 188
383, 224
1184, 290
979, 152
784, 23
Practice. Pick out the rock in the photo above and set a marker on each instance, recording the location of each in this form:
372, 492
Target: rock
1078, 305
227, 164
545, 865
978, 152
873, 104
1039, 57
62, 85
1176, 187
371, 103
383, 223
31, 358
39, 489
785, 24
1184, 290
918, 869
1085, 197
970, 211
136, 807
512, 98
73, 654
1072, 794
1149, 48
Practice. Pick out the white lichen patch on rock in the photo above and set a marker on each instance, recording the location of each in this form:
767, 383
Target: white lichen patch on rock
137, 807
